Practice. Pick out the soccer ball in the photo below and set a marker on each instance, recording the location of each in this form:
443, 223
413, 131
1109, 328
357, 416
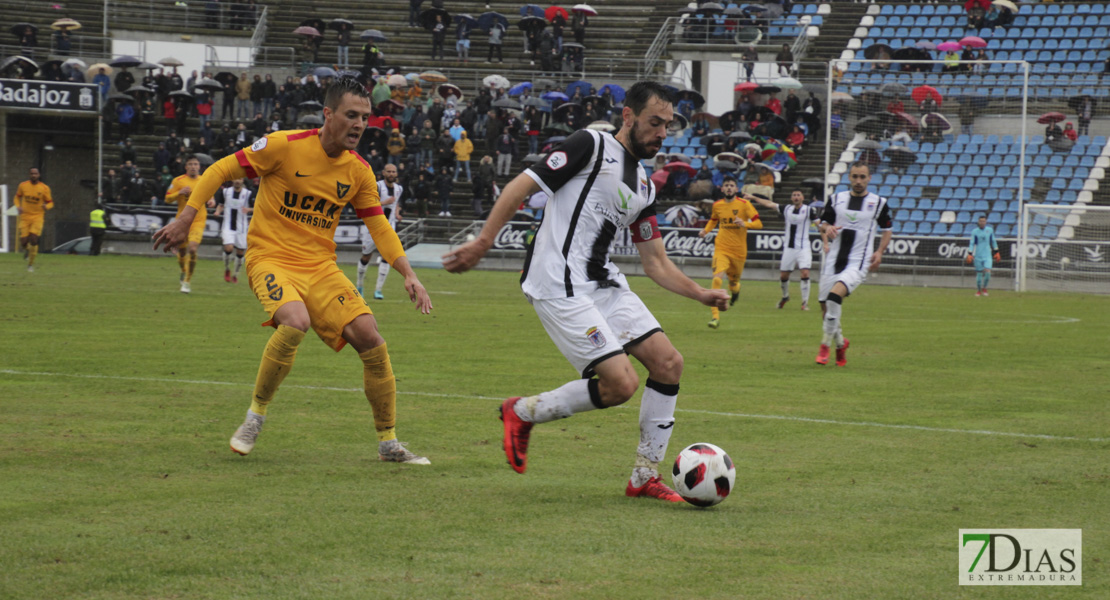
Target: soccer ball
703, 474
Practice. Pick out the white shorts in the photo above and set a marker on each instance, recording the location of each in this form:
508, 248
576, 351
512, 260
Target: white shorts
368, 245
234, 238
589, 329
851, 278
796, 258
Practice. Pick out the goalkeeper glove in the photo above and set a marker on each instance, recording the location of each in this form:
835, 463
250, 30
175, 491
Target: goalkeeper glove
970, 258
997, 256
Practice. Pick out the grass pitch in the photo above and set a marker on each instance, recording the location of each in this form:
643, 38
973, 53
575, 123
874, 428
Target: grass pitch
118, 395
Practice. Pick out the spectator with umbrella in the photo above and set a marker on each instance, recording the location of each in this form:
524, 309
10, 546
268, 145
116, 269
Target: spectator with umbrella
462, 36
581, 20
496, 37
439, 33
29, 39
558, 18
343, 29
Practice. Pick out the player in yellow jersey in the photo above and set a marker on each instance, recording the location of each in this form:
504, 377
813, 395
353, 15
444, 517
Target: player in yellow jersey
734, 216
307, 177
179, 193
32, 200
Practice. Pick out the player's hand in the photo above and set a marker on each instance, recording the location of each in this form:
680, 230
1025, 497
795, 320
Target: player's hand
714, 298
211, 203
997, 256
826, 249
970, 258
832, 231
418, 294
876, 258
171, 235
185, 191
702, 233
466, 257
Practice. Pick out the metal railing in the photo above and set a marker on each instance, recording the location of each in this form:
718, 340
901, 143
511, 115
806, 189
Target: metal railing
179, 14
259, 36
277, 57
412, 233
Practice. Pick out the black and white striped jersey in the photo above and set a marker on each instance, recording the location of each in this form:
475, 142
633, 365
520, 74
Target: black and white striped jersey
235, 218
385, 191
858, 217
595, 188
797, 224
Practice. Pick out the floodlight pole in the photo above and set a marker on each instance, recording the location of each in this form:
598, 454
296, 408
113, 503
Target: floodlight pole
3, 218
828, 131
99, 146
1023, 226
104, 29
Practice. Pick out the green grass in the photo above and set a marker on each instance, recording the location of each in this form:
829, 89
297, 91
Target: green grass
118, 395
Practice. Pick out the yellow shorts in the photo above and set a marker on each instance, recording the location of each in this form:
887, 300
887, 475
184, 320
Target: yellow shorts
731, 264
330, 297
196, 230
30, 225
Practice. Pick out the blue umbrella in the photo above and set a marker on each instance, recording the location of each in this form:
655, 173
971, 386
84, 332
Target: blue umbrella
325, 72
411, 77
519, 88
583, 86
486, 21
615, 90
555, 96
534, 10
469, 20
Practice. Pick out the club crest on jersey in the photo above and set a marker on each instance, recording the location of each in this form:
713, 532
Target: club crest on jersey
870, 205
596, 337
556, 160
644, 188
341, 189
258, 144
645, 230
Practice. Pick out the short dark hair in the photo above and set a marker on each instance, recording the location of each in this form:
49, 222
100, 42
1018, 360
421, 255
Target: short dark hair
728, 178
982, 217
798, 189
642, 92
860, 163
340, 87
192, 157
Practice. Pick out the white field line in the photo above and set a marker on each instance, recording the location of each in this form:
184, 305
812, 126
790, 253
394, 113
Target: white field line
473, 397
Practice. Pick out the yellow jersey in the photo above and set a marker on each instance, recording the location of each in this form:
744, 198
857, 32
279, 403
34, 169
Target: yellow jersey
174, 195
33, 199
732, 238
301, 193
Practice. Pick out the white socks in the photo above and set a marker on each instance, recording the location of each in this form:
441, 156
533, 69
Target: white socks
227, 261
383, 272
361, 273
561, 403
831, 325
785, 288
805, 290
656, 425
238, 265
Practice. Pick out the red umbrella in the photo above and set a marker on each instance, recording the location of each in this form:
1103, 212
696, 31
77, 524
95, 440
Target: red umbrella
551, 11
308, 31
984, 4
920, 93
972, 41
745, 88
659, 178
1051, 117
382, 121
676, 165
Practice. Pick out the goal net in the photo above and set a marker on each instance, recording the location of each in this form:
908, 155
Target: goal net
1064, 248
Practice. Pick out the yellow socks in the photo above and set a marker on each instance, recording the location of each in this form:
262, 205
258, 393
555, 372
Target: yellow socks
181, 262
190, 267
277, 361
32, 252
716, 285
381, 391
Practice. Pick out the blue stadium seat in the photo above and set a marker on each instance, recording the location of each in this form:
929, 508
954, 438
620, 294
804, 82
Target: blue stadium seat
909, 227
917, 215
1003, 230
924, 228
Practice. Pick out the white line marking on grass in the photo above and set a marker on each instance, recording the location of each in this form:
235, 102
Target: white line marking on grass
892, 426
474, 397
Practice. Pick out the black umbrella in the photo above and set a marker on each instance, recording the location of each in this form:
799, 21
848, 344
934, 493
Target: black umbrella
900, 154
314, 22
692, 95
18, 29
428, 17
118, 97
729, 119
148, 66
125, 62
869, 145
138, 89
872, 125
767, 89
226, 78
340, 24
204, 159
487, 19
182, 94
761, 113
537, 102
1076, 101
739, 135
894, 89
533, 24
878, 52
27, 65
557, 129
814, 181
208, 85
372, 35
566, 108
314, 120
910, 53
812, 121
678, 124
310, 105
711, 8
574, 45
775, 127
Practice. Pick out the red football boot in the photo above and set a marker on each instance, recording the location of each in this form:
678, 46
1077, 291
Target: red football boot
654, 488
823, 355
842, 354
517, 432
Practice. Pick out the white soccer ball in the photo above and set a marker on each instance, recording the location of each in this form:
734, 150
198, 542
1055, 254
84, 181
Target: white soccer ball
470, 237
703, 474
